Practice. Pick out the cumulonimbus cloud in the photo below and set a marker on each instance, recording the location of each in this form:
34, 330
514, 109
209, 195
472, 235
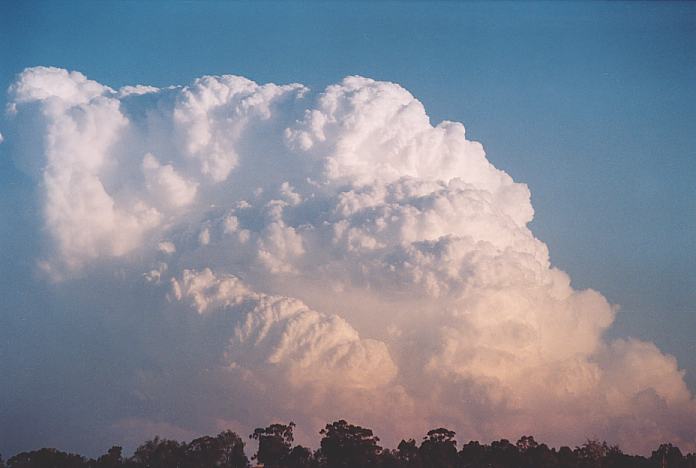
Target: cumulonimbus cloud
358, 261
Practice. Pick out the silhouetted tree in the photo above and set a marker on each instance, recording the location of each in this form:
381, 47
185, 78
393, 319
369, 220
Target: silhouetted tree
566, 457
669, 456
299, 457
112, 459
224, 450
617, 459
526, 443
160, 453
407, 452
593, 453
439, 449
203, 452
502, 454
275, 442
347, 446
690, 460
472, 455
535, 455
231, 451
389, 459
46, 458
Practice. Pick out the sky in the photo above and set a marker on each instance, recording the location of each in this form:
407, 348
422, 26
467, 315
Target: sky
591, 105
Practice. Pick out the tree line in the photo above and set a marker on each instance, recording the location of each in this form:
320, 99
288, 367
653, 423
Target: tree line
345, 445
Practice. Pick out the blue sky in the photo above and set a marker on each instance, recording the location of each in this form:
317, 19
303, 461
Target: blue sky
593, 105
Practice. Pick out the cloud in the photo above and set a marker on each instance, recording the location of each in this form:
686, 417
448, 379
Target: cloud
317, 256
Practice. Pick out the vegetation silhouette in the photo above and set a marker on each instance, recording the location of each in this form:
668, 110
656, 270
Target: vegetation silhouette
345, 445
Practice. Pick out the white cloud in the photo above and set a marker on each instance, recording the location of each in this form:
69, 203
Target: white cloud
166, 247
205, 290
137, 90
166, 185
349, 253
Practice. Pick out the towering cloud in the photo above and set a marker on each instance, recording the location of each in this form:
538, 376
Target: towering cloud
315, 256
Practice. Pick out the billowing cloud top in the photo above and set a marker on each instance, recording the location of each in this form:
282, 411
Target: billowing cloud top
349, 258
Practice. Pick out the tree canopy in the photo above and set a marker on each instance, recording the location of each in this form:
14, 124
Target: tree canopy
345, 445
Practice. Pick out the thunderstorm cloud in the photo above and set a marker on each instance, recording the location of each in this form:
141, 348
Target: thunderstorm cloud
248, 253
